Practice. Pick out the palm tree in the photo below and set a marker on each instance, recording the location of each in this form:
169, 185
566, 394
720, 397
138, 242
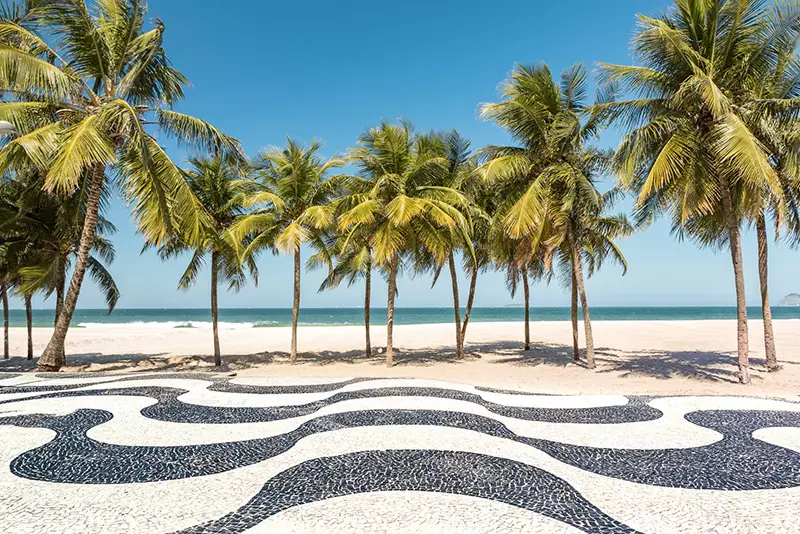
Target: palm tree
15, 252
29, 323
459, 171
222, 189
692, 150
295, 192
478, 255
597, 243
85, 78
770, 97
548, 183
348, 260
40, 234
519, 261
53, 224
399, 205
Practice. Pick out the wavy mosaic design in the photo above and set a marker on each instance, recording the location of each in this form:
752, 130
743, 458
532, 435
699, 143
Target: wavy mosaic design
202, 453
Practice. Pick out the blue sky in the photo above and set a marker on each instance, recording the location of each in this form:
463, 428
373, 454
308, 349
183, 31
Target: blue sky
329, 70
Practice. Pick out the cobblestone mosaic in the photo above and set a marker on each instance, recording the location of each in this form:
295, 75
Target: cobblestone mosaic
169, 452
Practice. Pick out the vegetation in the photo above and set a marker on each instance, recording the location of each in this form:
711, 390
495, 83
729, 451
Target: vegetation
401, 204
295, 194
548, 182
81, 81
40, 238
711, 140
709, 112
222, 191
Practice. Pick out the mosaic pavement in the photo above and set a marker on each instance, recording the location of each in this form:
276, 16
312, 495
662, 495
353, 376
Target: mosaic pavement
157, 452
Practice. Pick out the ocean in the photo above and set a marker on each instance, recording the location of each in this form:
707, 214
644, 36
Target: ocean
236, 318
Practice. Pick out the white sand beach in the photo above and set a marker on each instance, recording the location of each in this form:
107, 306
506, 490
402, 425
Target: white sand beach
644, 357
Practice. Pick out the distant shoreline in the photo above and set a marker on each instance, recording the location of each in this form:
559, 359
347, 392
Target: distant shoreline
238, 318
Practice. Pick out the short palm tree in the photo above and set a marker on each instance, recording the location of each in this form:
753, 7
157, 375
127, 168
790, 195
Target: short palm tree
459, 172
477, 257
54, 225
348, 260
17, 251
84, 78
40, 235
692, 150
597, 235
222, 189
295, 192
547, 183
521, 263
399, 205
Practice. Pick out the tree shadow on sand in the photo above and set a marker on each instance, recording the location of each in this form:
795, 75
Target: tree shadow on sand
660, 364
109, 362
663, 365
402, 357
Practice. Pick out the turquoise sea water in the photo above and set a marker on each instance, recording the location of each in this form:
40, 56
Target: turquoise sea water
271, 317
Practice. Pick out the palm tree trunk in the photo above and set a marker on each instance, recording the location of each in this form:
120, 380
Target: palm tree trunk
470, 301
527, 290
295, 304
456, 306
743, 356
60, 284
576, 352
367, 297
52, 358
4, 297
390, 311
577, 270
214, 310
29, 323
735, 242
763, 277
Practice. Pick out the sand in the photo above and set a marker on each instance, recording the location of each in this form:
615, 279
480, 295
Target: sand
633, 357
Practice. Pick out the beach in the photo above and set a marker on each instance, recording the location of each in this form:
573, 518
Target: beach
633, 357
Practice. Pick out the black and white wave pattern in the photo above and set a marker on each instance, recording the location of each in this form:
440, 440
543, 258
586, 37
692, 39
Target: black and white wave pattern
200, 453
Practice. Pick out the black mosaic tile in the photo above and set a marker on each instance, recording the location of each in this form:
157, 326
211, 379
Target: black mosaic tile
73, 457
170, 408
460, 473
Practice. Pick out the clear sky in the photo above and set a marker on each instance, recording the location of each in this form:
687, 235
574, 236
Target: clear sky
262, 70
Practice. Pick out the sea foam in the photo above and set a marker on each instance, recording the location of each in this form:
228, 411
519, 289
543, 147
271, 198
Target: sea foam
165, 325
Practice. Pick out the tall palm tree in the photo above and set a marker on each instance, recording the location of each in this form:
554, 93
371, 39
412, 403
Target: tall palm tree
85, 77
770, 96
547, 183
692, 149
222, 189
399, 205
295, 194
